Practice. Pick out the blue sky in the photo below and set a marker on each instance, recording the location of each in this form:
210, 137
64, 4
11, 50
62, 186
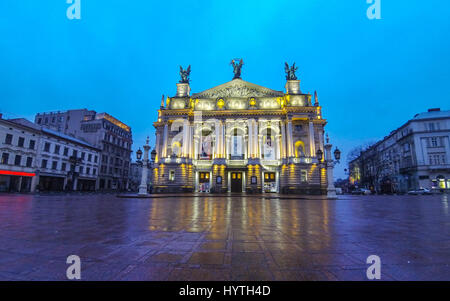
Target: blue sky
371, 75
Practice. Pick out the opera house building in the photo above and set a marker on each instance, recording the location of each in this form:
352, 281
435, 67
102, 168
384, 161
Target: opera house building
240, 137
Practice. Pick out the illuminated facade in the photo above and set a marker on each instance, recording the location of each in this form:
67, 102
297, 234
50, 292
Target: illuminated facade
37, 158
103, 131
239, 137
412, 157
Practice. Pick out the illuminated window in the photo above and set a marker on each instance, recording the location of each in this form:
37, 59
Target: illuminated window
204, 177
172, 175
269, 177
220, 103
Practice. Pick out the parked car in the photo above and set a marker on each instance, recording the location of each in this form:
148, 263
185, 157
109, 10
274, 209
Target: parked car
338, 190
421, 191
361, 191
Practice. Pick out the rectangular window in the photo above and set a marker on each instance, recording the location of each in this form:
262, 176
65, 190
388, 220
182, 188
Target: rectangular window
31, 145
47, 147
434, 142
431, 126
57, 147
81, 169
66, 151
21, 141
304, 175
95, 159
8, 139
44, 164
89, 157
269, 177
83, 154
17, 160
74, 153
54, 165
29, 161
88, 170
63, 166
5, 158
94, 171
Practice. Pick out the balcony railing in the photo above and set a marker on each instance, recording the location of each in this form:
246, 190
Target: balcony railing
307, 160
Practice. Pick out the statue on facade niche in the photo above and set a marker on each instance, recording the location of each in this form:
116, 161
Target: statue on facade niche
237, 67
185, 75
290, 72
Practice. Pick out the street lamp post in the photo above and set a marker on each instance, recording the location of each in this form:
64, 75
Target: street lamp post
143, 186
329, 163
74, 161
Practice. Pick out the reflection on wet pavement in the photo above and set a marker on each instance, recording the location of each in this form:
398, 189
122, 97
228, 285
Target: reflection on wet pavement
224, 238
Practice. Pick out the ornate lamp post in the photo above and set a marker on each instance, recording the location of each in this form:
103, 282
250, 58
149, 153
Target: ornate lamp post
143, 186
329, 162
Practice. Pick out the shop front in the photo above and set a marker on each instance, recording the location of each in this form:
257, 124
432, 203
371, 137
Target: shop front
14, 181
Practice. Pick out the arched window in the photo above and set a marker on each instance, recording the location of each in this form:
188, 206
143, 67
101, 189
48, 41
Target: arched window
269, 145
206, 145
175, 149
299, 149
237, 150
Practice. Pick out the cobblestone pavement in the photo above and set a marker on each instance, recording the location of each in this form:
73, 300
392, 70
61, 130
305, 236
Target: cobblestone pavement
224, 238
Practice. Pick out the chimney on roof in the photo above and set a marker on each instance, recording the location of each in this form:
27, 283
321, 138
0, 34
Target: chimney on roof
434, 110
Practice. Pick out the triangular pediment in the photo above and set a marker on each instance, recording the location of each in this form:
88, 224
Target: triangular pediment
238, 88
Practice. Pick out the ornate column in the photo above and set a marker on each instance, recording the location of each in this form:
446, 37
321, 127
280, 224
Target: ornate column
189, 141
196, 141
283, 140
289, 136
250, 138
219, 140
185, 138
157, 145
312, 145
143, 186
165, 138
192, 141
331, 190
255, 139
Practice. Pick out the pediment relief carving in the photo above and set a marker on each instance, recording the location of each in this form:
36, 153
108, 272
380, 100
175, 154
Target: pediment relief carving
238, 88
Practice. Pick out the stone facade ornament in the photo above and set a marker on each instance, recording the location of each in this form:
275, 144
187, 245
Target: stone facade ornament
290, 72
238, 88
185, 75
237, 67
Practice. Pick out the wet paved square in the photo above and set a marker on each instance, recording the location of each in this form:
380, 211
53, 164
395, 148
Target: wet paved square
224, 238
